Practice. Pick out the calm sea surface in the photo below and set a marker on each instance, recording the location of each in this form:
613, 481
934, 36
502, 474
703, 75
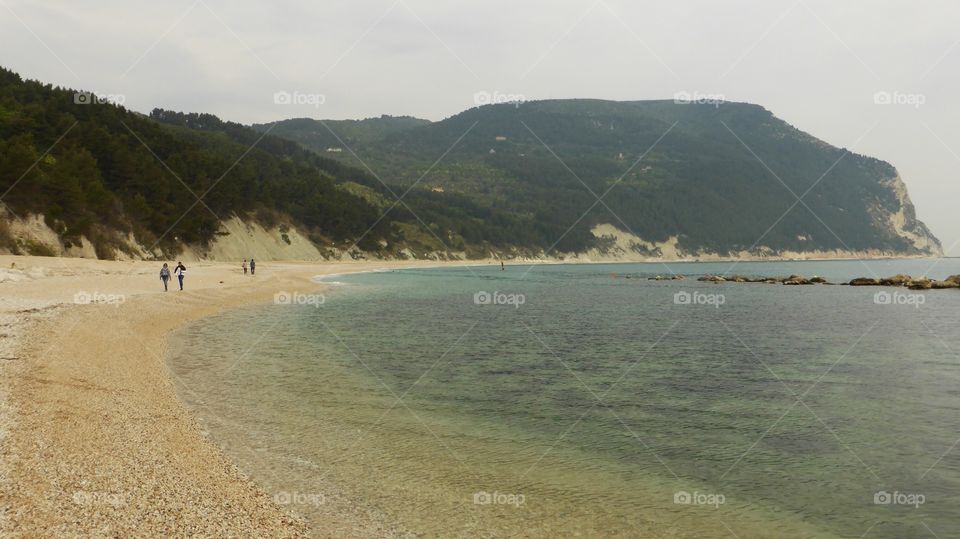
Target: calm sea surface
588, 401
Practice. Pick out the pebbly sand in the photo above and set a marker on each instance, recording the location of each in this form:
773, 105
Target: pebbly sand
93, 440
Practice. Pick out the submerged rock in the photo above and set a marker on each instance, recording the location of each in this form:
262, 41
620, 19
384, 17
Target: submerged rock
864, 281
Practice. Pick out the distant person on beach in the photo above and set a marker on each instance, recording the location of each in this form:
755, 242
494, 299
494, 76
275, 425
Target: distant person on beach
181, 272
164, 275
253, 267
244, 266
502, 267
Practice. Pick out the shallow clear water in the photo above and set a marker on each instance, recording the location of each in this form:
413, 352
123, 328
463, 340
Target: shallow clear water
592, 408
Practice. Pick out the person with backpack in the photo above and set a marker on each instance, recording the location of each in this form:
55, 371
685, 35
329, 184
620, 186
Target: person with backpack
181, 272
165, 275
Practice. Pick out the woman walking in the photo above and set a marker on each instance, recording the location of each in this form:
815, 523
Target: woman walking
164, 275
181, 272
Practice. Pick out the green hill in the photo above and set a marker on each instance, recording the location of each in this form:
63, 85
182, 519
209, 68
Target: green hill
510, 180
99, 173
696, 181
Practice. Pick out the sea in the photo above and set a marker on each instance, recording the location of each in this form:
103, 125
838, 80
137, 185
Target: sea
588, 400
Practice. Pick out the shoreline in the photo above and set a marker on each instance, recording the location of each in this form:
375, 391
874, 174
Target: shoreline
93, 438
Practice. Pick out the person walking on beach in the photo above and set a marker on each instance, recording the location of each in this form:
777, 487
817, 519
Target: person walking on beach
253, 267
244, 266
181, 272
164, 275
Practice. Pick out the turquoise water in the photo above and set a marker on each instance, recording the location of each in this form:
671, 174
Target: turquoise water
590, 402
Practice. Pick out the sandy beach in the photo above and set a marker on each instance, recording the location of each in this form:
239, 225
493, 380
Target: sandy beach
93, 440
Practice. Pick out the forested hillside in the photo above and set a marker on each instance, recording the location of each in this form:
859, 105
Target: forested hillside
716, 176
106, 170
501, 180
98, 171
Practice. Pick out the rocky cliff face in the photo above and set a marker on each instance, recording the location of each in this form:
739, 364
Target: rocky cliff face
904, 222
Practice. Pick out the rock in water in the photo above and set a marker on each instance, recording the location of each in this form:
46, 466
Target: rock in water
920, 284
896, 280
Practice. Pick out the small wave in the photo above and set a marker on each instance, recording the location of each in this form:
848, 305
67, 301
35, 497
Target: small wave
323, 278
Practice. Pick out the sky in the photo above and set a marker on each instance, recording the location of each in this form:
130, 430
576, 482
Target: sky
879, 77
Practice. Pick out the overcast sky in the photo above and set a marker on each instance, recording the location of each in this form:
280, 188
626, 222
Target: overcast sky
816, 64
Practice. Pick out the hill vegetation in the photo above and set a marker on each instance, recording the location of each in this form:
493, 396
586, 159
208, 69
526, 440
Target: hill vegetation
95, 170
716, 176
502, 179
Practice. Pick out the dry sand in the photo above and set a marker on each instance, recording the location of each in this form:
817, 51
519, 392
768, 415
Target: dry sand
93, 440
